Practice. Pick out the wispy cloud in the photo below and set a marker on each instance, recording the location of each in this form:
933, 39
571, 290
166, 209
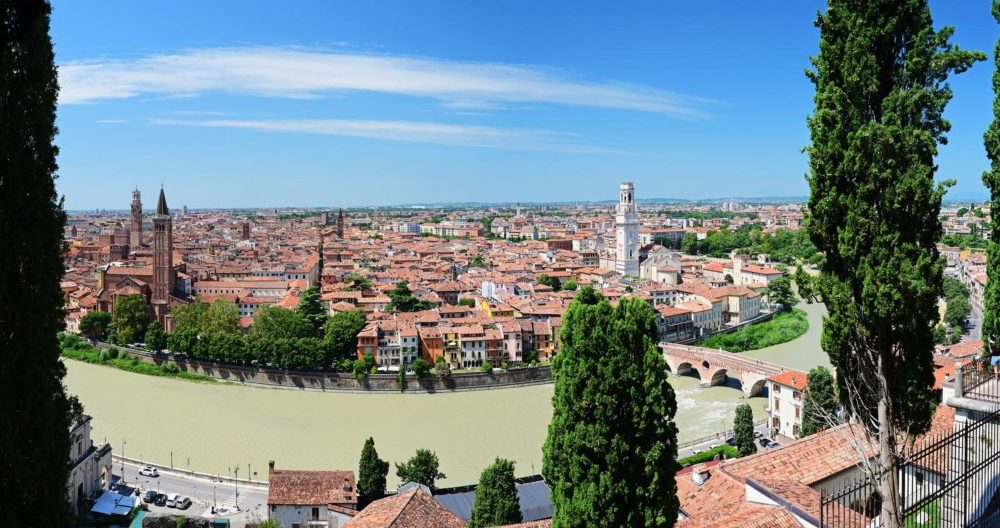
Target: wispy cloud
309, 73
411, 131
112, 121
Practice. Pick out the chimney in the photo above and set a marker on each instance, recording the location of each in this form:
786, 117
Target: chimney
270, 467
699, 473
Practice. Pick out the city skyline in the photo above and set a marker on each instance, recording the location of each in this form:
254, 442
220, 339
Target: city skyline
450, 103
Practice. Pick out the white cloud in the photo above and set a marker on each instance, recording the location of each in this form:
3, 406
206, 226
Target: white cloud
410, 131
305, 73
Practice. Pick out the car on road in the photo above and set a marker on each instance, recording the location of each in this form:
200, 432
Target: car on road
149, 471
695, 451
150, 496
172, 500
183, 503
713, 446
161, 499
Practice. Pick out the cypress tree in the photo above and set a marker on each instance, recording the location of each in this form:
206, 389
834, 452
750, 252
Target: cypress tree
34, 409
991, 178
881, 89
743, 430
371, 474
610, 455
820, 401
496, 501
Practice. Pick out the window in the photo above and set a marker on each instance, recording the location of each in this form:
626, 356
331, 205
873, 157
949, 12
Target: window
315, 514
776, 402
796, 412
920, 478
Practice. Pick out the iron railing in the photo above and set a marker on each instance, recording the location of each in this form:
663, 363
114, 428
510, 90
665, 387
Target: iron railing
979, 379
950, 480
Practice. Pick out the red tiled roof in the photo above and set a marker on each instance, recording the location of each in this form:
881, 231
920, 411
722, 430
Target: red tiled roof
411, 509
313, 488
790, 378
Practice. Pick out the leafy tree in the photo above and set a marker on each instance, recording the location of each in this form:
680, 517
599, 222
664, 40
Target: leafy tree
486, 367
805, 284
496, 502
743, 430
466, 301
341, 335
779, 291
277, 322
130, 318
421, 367
940, 334
156, 338
881, 90
360, 370
422, 469
689, 244
958, 310
610, 455
401, 299
569, 285
220, 316
34, 408
552, 282
372, 471
477, 262
729, 279
357, 282
962, 210
95, 324
820, 401
311, 307
401, 377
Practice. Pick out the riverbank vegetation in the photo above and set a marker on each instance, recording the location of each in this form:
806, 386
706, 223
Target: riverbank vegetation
781, 328
724, 451
77, 348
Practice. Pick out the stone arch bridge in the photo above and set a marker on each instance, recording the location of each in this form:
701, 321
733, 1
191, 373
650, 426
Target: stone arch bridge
715, 366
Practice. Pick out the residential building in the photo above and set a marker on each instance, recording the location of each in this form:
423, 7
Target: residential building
310, 499
785, 398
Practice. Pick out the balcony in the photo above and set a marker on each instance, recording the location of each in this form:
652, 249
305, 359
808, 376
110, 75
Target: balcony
976, 386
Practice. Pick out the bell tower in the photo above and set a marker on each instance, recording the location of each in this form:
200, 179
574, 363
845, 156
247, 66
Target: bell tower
163, 266
627, 232
135, 220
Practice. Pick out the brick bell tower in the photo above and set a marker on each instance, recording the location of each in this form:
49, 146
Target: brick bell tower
135, 220
163, 265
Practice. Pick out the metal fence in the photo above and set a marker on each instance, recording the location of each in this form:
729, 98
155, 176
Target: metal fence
951, 480
979, 379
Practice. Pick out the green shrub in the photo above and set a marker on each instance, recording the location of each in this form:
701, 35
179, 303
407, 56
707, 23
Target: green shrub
486, 368
170, 367
780, 329
726, 451
113, 353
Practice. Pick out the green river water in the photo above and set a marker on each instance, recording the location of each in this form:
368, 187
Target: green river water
214, 427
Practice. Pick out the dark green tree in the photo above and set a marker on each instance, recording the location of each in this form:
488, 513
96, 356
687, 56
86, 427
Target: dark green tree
372, 471
958, 310
805, 284
779, 291
341, 335
477, 262
495, 502
401, 299
991, 178
34, 408
130, 317
610, 455
467, 301
552, 282
311, 307
569, 285
277, 322
689, 244
156, 338
881, 90
422, 469
421, 367
95, 324
357, 282
820, 401
743, 430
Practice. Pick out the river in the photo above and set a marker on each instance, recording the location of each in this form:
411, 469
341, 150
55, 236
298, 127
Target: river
212, 427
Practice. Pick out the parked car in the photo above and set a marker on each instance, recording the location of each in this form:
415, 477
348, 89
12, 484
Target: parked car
184, 503
764, 442
695, 451
172, 500
150, 496
773, 445
161, 499
731, 441
713, 446
149, 471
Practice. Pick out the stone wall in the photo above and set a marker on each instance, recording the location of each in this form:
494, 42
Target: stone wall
338, 381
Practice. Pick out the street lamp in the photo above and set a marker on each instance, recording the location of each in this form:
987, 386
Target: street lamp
236, 482
123, 459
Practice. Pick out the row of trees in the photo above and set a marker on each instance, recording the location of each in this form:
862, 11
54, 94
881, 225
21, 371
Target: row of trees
957, 310
784, 245
495, 502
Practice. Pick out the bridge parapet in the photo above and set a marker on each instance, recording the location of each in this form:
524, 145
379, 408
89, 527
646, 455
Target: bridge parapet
714, 367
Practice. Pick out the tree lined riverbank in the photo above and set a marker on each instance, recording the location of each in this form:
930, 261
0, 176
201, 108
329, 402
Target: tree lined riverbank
782, 328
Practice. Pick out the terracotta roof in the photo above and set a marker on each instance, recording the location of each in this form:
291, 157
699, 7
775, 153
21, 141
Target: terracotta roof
411, 509
790, 378
313, 488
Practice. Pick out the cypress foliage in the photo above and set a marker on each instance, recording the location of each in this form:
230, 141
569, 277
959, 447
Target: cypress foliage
881, 89
991, 178
371, 475
610, 455
34, 409
743, 430
820, 401
496, 502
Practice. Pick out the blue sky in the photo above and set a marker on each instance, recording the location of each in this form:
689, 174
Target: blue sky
270, 104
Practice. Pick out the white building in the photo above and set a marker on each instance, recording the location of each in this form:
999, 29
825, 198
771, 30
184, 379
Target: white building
310, 499
785, 392
627, 232
90, 466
